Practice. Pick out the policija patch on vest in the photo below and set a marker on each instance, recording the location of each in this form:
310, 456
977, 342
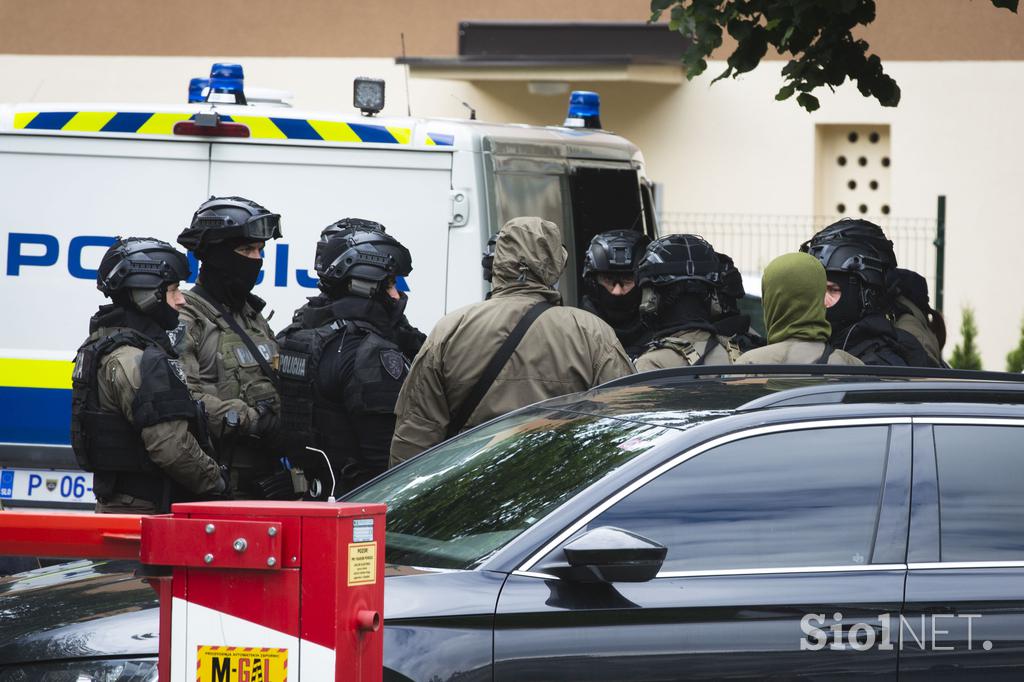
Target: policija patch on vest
393, 363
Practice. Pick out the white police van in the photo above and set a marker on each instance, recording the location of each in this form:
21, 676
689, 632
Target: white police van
72, 177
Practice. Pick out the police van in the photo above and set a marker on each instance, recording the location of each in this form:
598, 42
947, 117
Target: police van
72, 177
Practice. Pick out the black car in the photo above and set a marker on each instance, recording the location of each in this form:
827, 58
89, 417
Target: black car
769, 523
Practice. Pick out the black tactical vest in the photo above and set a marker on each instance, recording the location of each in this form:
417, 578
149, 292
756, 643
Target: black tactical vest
308, 417
108, 444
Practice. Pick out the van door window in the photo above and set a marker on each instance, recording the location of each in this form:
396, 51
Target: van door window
533, 194
602, 199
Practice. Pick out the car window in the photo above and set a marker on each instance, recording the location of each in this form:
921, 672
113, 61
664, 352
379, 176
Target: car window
800, 498
455, 505
981, 492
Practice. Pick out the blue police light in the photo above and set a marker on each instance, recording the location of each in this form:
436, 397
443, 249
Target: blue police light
584, 110
226, 84
195, 90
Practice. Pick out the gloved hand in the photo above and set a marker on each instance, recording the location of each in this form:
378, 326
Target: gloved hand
266, 425
222, 491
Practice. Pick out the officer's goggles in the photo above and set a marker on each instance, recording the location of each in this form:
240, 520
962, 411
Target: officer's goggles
257, 228
263, 227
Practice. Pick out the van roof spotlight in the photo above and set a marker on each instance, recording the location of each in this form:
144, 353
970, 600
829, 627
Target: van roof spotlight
584, 110
368, 95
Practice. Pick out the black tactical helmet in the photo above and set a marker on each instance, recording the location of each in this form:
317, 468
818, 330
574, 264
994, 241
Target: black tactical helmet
855, 258
679, 258
361, 260
732, 280
140, 263
220, 219
856, 230
343, 226
614, 251
487, 258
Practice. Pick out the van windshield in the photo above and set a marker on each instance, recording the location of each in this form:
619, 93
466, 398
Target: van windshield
462, 501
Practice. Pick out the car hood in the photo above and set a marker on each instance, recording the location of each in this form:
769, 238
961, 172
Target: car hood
50, 613
421, 593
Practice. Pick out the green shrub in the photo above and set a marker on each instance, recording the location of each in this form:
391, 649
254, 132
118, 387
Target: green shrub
965, 355
1015, 358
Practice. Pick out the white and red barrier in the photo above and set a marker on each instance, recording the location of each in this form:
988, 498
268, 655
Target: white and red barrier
259, 591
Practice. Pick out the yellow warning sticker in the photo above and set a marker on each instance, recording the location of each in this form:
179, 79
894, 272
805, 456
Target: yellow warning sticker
362, 563
241, 664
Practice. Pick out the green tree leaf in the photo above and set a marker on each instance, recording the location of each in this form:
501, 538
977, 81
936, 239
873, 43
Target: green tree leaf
807, 101
817, 33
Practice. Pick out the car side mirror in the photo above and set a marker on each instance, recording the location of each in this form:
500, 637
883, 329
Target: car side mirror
608, 555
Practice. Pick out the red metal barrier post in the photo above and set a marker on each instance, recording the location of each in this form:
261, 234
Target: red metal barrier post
287, 590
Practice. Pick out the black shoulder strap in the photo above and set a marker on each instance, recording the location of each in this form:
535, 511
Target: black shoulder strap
710, 346
249, 343
483, 384
826, 354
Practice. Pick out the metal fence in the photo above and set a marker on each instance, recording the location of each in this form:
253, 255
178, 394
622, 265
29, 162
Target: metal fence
753, 240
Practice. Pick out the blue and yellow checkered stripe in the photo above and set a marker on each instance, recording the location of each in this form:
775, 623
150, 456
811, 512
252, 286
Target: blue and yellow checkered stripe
35, 401
260, 127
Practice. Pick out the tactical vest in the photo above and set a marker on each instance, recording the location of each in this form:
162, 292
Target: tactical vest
308, 417
239, 374
693, 355
108, 444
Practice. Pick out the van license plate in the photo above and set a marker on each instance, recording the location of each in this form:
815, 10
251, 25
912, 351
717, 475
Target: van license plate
41, 485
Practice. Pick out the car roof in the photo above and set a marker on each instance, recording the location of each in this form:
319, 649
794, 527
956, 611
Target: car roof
686, 396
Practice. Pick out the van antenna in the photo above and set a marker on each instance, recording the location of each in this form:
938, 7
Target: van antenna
408, 102
472, 111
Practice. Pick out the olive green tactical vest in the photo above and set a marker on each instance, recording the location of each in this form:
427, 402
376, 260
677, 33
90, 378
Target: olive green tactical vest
239, 374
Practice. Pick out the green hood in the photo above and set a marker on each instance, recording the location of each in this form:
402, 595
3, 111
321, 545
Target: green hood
528, 250
793, 295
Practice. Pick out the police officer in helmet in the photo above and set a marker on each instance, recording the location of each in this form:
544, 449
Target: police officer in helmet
409, 338
609, 285
857, 298
228, 348
341, 363
904, 298
133, 422
679, 275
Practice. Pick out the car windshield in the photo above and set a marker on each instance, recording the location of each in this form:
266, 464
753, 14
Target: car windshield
458, 504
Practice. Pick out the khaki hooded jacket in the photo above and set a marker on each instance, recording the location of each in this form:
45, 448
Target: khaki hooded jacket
565, 350
793, 289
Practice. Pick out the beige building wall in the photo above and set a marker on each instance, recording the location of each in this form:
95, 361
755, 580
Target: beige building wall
904, 29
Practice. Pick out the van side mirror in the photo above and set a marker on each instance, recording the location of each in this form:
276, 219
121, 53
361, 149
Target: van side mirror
608, 555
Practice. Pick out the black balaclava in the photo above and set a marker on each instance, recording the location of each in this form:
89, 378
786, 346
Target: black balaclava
394, 306
228, 276
682, 306
161, 313
849, 308
616, 310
